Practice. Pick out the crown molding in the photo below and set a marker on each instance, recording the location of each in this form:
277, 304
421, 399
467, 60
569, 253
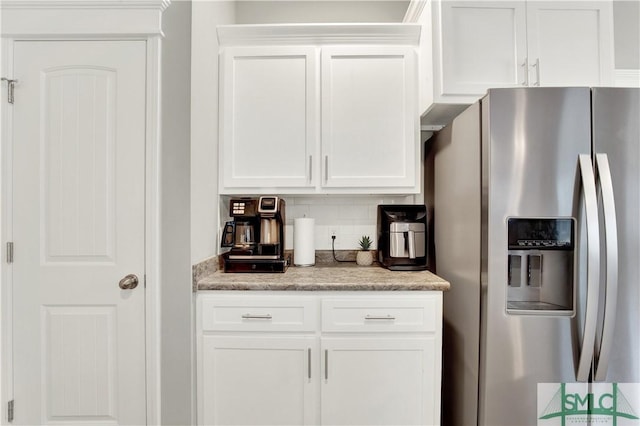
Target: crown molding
297, 34
85, 4
81, 18
414, 10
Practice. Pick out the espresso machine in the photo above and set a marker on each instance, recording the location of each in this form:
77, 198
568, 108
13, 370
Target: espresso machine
402, 236
255, 236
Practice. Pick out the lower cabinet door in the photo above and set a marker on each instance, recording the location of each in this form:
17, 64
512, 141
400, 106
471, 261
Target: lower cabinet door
257, 380
380, 381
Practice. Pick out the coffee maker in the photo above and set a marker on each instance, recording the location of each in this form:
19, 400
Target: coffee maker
255, 236
402, 236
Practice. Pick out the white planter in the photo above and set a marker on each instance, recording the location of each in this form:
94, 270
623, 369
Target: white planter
364, 258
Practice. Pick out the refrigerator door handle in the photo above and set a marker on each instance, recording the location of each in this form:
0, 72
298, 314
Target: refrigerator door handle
587, 185
603, 179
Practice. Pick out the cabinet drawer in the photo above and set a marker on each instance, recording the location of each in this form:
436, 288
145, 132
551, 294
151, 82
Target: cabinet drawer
380, 315
251, 313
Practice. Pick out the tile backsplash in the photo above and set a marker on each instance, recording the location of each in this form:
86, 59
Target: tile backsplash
349, 217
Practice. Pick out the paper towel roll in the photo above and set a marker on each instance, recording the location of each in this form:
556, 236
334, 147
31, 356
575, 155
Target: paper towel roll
304, 248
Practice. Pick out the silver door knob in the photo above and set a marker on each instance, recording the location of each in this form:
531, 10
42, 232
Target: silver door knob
128, 282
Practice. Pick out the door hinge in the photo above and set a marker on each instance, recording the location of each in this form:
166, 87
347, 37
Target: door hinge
10, 252
10, 88
10, 411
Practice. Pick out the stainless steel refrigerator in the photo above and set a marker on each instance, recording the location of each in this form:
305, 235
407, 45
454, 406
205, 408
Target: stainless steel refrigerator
535, 194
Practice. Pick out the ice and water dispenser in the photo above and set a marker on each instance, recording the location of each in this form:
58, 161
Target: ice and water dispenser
540, 265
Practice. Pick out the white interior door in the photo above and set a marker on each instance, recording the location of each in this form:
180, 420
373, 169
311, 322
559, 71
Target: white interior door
78, 229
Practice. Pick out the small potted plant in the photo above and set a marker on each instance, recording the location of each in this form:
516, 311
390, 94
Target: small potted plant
364, 257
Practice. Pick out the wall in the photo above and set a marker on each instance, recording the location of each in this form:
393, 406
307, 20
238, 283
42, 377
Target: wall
204, 124
176, 377
279, 11
348, 217
626, 18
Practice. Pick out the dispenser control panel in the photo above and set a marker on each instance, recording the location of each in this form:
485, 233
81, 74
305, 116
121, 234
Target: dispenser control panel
540, 265
556, 233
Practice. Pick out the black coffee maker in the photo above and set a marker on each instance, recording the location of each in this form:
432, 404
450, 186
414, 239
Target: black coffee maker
255, 236
402, 236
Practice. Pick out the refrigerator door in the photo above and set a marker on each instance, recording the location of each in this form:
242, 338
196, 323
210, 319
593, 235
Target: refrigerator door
532, 139
455, 165
616, 133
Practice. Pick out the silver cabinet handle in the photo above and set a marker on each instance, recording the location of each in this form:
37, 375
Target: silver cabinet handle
326, 364
309, 363
326, 168
525, 66
537, 67
128, 282
379, 317
586, 189
603, 179
260, 317
311, 168
11, 84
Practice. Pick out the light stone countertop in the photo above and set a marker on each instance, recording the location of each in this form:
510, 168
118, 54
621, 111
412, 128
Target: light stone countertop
326, 278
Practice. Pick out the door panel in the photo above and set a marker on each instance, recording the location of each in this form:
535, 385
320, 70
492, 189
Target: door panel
534, 137
78, 347
616, 132
78, 228
77, 162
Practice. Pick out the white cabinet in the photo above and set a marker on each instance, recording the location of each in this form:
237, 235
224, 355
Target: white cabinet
477, 45
319, 109
268, 116
381, 359
570, 43
252, 380
319, 358
257, 359
369, 117
380, 381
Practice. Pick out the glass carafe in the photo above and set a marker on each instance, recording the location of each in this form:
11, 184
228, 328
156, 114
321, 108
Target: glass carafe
244, 234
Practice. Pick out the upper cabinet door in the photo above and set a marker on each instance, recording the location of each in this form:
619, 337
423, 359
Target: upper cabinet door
570, 43
268, 126
369, 117
483, 45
